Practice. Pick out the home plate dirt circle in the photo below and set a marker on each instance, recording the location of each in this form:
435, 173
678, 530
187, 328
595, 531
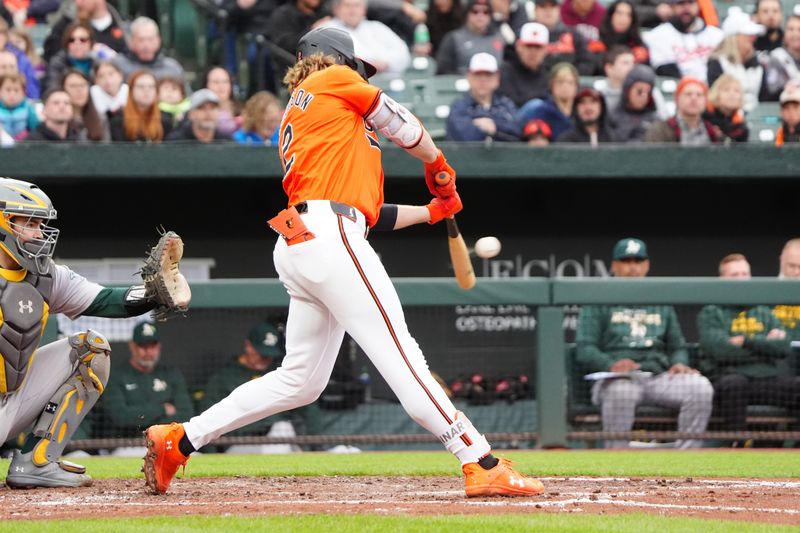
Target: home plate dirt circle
767, 501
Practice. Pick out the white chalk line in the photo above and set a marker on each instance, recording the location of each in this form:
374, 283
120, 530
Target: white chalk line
408, 504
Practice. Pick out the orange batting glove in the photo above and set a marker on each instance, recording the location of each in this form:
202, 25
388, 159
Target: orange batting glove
441, 188
441, 208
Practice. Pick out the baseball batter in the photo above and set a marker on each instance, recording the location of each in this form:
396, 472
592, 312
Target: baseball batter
334, 182
51, 388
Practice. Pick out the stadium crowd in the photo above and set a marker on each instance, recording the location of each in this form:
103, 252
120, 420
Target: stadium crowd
101, 75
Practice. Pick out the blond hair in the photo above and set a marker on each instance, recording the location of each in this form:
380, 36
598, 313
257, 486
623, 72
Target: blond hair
730, 258
255, 107
304, 68
723, 81
728, 49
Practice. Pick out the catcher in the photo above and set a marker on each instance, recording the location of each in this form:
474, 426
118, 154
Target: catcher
53, 387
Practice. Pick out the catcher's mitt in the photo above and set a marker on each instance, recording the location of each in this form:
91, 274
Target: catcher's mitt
164, 285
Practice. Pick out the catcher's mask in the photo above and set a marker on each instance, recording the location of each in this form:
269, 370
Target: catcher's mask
337, 43
20, 202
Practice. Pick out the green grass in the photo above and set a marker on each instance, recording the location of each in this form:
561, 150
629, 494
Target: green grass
628, 523
704, 463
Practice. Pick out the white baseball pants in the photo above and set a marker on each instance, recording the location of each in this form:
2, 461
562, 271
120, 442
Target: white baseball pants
337, 283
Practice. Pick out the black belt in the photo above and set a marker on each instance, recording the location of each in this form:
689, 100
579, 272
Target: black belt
337, 207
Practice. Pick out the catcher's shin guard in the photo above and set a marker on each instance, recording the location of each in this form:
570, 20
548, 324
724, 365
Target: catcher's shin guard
72, 401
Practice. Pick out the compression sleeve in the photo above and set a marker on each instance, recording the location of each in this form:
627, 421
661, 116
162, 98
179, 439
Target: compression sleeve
119, 302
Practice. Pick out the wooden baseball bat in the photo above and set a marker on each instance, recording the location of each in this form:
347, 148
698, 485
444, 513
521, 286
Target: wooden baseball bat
459, 255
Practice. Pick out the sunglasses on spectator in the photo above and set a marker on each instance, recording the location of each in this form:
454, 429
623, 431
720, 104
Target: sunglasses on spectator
78, 40
479, 11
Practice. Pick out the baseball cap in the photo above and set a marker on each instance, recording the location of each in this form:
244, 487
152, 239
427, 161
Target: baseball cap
483, 62
790, 94
630, 248
266, 339
145, 333
589, 92
739, 22
534, 33
201, 97
535, 127
688, 80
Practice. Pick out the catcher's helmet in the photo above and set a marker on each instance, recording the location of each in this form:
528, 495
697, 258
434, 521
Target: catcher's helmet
20, 199
333, 42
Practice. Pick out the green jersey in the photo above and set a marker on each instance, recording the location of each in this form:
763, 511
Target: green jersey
789, 316
758, 357
134, 400
647, 334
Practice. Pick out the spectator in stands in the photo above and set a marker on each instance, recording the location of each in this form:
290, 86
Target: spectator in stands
524, 76
789, 315
735, 55
8, 63
374, 41
636, 111
508, 17
22, 39
289, 22
682, 46
87, 123
620, 27
482, 113
556, 109
75, 54
789, 130
724, 109
687, 127
589, 121
203, 117
145, 52
30, 12
144, 391
769, 13
783, 64
585, 16
56, 118
261, 120
141, 120
443, 16
172, 99
651, 13
745, 352
107, 23
633, 338
566, 44
262, 352
537, 133
18, 115
617, 63
24, 66
109, 92
220, 81
475, 36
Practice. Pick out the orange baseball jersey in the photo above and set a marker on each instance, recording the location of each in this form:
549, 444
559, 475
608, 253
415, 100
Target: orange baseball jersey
327, 149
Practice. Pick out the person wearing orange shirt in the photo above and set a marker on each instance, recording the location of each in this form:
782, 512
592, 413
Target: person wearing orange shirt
333, 178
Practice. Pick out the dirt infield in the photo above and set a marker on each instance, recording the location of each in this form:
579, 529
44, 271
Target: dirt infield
769, 501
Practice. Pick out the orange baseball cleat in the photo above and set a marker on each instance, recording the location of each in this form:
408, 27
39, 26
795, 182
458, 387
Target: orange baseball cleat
502, 480
163, 456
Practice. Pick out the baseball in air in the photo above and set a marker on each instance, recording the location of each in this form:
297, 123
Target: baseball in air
487, 247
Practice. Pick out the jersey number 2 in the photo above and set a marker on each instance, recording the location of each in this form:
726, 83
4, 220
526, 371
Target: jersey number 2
286, 141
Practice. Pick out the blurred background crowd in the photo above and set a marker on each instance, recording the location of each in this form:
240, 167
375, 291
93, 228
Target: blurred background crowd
694, 72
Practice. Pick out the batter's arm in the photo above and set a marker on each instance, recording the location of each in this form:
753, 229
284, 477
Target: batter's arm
393, 217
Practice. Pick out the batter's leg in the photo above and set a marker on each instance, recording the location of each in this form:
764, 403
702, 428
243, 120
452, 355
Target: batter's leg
313, 340
372, 314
